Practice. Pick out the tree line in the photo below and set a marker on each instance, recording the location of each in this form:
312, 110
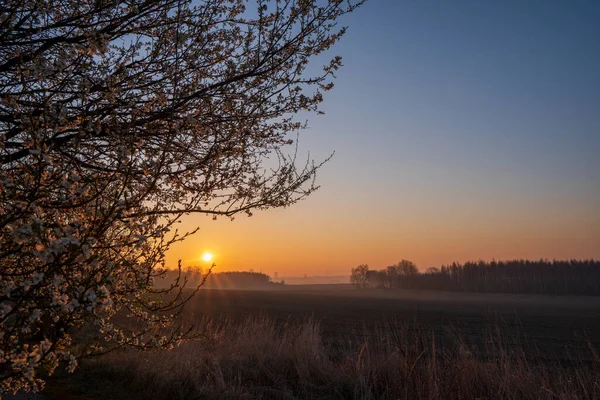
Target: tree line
220, 280
557, 277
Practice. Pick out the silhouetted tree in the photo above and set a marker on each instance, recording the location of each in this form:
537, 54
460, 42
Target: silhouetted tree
432, 271
392, 274
399, 275
358, 276
407, 268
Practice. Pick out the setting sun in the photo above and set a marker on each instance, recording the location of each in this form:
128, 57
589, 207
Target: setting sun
207, 257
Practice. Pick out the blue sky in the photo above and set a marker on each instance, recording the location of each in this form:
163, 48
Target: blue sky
470, 97
501, 87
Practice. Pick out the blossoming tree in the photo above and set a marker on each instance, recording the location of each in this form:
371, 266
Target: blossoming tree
116, 119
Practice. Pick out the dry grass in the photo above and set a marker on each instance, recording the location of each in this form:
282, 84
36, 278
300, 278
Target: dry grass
260, 359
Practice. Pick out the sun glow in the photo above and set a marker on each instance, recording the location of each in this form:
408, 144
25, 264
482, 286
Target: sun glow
207, 257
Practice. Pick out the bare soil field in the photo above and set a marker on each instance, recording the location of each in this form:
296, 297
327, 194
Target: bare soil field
555, 326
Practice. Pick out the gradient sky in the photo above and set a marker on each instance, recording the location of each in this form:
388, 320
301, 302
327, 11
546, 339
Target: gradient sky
462, 130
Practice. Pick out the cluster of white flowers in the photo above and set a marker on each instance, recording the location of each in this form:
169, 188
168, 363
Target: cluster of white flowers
61, 270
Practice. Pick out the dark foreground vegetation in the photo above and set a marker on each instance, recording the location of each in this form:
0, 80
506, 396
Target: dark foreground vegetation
570, 277
258, 358
339, 343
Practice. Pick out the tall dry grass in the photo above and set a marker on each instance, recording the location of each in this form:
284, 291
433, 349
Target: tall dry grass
261, 359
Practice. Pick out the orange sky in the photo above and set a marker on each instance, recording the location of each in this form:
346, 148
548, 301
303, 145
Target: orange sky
316, 239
